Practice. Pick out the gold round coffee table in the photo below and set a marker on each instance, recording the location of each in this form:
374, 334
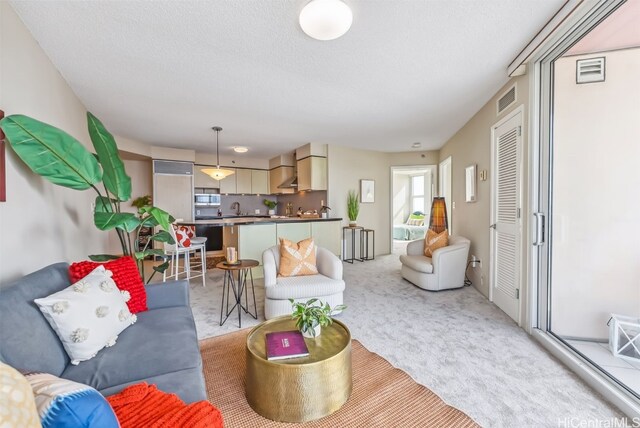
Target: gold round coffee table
299, 389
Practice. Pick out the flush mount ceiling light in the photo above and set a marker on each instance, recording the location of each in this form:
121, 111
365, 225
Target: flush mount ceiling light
326, 19
416, 145
217, 173
239, 149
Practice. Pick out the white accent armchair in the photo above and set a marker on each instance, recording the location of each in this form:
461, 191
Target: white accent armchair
443, 271
327, 285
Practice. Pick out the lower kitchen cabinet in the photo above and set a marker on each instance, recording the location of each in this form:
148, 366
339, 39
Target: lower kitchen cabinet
327, 234
253, 239
294, 231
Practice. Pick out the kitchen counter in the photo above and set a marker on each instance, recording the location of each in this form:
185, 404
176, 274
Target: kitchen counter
231, 221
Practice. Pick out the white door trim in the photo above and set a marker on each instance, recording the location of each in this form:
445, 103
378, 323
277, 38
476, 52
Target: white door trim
515, 112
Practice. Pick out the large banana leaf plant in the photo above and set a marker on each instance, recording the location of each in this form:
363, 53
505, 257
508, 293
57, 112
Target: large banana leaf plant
60, 158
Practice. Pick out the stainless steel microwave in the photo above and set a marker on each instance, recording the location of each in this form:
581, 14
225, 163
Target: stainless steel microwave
207, 199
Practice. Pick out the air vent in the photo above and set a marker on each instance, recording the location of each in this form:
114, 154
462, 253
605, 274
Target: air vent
590, 70
507, 99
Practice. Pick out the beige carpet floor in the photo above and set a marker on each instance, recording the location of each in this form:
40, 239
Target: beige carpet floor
382, 395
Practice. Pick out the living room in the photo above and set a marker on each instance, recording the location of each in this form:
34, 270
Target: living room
447, 87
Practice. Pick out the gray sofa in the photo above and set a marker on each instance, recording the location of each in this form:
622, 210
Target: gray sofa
160, 348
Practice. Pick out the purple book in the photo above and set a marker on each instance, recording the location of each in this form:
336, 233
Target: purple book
285, 344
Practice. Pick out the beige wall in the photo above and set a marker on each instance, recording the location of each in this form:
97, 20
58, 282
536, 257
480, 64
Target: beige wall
472, 145
346, 167
596, 151
431, 157
40, 223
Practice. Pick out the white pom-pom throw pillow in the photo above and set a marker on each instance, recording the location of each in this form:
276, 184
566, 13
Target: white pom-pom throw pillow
88, 315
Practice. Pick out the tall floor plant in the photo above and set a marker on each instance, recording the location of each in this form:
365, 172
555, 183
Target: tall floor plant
60, 158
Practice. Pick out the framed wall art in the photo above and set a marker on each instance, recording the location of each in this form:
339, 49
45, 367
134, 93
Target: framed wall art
367, 191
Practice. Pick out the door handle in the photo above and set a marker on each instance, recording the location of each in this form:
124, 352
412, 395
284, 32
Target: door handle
493, 226
540, 219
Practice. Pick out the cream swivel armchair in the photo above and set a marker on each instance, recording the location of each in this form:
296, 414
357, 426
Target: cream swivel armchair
327, 285
443, 271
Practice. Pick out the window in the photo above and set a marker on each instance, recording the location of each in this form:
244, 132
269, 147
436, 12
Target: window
417, 193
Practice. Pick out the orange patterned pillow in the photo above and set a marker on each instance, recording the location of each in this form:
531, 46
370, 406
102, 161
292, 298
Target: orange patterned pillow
297, 259
433, 241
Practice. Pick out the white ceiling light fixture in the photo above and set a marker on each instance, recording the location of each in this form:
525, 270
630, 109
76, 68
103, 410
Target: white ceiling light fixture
326, 19
416, 145
217, 173
240, 149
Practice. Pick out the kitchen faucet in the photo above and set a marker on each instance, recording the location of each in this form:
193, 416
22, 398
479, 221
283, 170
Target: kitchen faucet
236, 205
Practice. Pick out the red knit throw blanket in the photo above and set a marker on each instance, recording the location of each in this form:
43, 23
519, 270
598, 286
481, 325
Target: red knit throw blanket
143, 405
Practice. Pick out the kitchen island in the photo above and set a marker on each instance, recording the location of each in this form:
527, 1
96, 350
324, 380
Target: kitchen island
251, 236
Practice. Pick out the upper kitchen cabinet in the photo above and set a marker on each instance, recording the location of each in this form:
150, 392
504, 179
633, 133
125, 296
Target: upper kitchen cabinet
281, 170
243, 181
201, 179
228, 184
312, 167
259, 182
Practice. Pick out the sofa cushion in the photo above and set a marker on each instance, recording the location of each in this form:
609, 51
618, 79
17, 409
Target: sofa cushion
125, 274
161, 341
418, 263
88, 315
297, 287
33, 345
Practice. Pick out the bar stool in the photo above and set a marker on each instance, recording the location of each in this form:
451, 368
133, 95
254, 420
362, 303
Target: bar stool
177, 249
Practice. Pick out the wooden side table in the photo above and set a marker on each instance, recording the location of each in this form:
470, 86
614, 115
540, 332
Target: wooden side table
299, 389
239, 285
353, 243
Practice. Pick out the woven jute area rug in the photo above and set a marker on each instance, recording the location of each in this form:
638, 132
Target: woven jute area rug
382, 395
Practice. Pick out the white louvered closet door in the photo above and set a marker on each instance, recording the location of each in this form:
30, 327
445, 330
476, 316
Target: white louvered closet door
507, 144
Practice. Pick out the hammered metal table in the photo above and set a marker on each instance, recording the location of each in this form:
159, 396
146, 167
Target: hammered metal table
299, 389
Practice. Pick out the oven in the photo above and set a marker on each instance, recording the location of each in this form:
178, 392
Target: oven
207, 200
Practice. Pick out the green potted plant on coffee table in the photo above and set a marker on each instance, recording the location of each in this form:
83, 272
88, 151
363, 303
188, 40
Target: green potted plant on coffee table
313, 315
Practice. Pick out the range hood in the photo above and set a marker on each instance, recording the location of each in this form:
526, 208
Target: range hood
289, 183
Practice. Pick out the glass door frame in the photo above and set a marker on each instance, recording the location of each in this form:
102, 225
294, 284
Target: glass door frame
541, 179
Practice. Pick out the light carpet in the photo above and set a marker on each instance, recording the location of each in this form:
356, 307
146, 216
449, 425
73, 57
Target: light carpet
382, 395
456, 343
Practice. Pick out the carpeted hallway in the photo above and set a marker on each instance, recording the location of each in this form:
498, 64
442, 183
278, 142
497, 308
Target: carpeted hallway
455, 342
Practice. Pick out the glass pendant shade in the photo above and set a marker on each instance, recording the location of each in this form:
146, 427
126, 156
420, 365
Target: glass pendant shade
217, 173
325, 19
438, 220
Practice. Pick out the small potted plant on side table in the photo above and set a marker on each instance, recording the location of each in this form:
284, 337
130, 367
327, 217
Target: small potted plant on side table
312, 316
353, 207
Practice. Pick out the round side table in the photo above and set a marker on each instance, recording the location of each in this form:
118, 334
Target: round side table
239, 287
299, 389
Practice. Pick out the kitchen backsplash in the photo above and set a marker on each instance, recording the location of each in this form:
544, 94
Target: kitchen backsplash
306, 200
248, 205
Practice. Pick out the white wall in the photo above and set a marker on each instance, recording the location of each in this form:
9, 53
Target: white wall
40, 223
346, 167
596, 211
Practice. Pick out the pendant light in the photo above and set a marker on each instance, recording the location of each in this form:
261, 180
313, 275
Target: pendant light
326, 19
217, 173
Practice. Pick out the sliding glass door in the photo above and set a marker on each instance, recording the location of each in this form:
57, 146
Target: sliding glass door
589, 272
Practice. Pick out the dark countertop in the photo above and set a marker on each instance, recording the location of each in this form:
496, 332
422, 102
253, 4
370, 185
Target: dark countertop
232, 221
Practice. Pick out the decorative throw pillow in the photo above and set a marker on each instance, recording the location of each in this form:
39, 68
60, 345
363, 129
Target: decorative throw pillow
88, 315
297, 259
433, 241
182, 236
415, 220
189, 230
63, 403
125, 274
17, 405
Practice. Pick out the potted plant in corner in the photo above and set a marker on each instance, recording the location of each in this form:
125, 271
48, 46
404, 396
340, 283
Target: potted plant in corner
271, 205
312, 316
353, 207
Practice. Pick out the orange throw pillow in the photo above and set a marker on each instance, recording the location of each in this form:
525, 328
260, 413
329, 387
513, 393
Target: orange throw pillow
143, 405
297, 259
433, 241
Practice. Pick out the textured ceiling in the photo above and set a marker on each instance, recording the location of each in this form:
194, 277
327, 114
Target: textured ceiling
165, 72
